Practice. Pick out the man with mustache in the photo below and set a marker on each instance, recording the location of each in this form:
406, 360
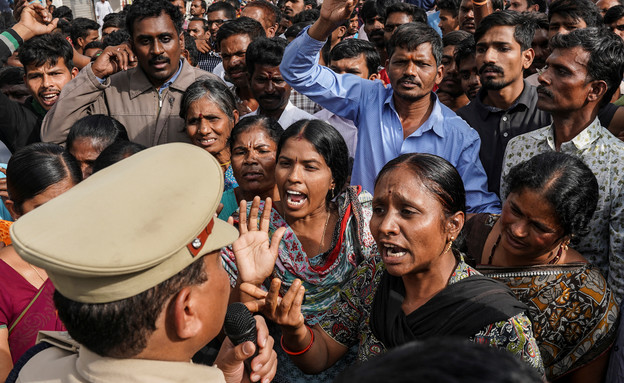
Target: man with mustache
584, 70
506, 105
234, 37
374, 16
402, 118
268, 87
146, 98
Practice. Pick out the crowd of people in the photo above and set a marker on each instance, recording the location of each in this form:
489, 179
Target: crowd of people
398, 190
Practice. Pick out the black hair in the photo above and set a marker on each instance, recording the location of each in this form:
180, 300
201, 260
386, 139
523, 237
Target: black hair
48, 49
35, 167
312, 3
63, 12
117, 37
541, 4
416, 14
409, 36
584, 10
270, 126
81, 26
11, 75
351, 48
205, 25
449, 5
437, 175
270, 10
240, 26
539, 19
307, 15
613, 14
143, 9
294, 30
265, 51
524, 29
116, 152
94, 45
606, 55
328, 143
117, 20
498, 5
454, 38
191, 48
371, 9
567, 184
235, 3
212, 89
227, 8
442, 360
100, 128
203, 4
466, 48
120, 329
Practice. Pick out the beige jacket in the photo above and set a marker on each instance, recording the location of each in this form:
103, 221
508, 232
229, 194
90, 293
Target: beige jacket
149, 118
55, 365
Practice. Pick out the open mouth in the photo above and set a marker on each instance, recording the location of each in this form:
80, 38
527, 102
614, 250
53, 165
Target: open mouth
294, 199
205, 141
392, 251
49, 98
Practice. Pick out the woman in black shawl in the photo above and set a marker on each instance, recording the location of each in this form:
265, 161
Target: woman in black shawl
417, 288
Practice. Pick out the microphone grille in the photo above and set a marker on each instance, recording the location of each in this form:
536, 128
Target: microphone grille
239, 322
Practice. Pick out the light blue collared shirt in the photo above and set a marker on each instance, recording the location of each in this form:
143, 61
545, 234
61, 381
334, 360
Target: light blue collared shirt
370, 106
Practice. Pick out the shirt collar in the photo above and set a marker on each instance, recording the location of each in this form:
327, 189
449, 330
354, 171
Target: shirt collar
172, 79
484, 110
435, 120
582, 140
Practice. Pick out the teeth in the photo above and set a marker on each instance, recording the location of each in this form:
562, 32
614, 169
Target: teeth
293, 192
393, 252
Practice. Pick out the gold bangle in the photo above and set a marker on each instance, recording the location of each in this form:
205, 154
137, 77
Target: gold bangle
479, 4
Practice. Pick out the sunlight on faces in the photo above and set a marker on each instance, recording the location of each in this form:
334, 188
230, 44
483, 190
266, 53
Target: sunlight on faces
233, 50
448, 23
466, 17
253, 161
86, 150
353, 65
563, 24
46, 81
500, 58
208, 126
413, 73
469, 77
408, 224
303, 178
269, 88
529, 227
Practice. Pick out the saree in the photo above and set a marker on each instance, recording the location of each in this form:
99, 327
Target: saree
324, 274
573, 311
25, 310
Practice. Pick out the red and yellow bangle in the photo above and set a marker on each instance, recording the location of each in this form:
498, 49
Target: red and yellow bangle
478, 4
298, 352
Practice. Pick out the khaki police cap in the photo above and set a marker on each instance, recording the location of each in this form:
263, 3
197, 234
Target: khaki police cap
128, 227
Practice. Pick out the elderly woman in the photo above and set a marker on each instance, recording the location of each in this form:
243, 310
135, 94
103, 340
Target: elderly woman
35, 174
417, 287
90, 135
253, 145
209, 111
551, 199
324, 227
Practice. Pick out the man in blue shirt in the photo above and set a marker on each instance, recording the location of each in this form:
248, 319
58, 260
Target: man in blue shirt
405, 117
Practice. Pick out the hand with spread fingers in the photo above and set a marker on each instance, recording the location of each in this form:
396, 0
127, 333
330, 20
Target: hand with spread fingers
263, 366
255, 254
285, 311
112, 60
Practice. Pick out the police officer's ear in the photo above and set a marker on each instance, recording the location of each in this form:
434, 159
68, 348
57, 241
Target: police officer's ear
186, 312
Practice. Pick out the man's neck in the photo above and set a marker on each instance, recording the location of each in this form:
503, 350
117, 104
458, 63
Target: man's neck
504, 98
274, 114
413, 113
567, 125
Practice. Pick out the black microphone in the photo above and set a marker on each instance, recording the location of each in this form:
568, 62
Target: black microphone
240, 326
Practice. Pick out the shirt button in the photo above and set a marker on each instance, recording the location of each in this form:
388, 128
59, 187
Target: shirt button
505, 134
504, 118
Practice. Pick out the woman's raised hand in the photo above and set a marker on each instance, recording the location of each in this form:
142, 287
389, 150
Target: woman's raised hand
285, 311
255, 254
